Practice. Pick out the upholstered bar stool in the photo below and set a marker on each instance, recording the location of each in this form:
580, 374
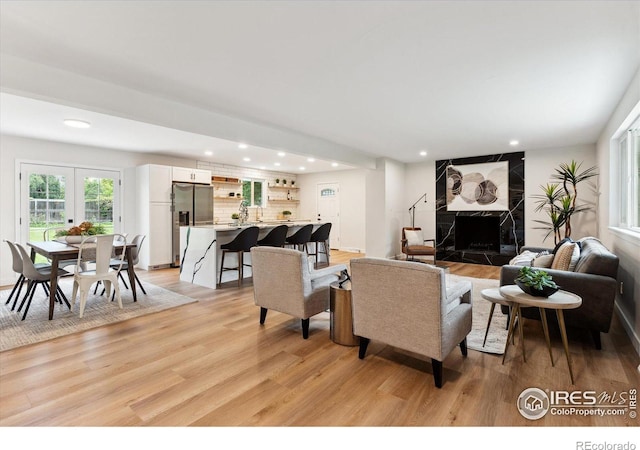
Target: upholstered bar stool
275, 238
300, 238
318, 237
243, 242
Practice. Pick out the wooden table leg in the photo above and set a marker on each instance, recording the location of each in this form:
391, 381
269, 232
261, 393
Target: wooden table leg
512, 320
521, 330
565, 342
53, 284
486, 333
131, 273
545, 327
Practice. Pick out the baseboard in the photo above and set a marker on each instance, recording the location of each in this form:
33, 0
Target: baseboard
350, 250
626, 324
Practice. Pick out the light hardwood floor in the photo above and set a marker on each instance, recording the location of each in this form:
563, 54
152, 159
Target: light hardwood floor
210, 363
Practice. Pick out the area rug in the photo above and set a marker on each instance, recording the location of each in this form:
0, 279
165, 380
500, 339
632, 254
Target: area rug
37, 327
497, 337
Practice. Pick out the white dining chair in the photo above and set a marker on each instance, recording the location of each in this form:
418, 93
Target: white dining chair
95, 256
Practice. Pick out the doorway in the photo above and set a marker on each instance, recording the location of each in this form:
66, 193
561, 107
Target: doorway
328, 207
60, 196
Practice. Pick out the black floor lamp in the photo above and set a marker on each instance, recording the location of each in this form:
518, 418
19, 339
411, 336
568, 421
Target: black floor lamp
412, 210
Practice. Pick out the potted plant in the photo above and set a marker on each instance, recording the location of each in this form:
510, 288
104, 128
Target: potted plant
77, 233
559, 200
536, 282
235, 217
277, 181
286, 214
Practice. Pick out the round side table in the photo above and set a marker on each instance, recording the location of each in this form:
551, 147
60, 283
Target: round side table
493, 295
559, 301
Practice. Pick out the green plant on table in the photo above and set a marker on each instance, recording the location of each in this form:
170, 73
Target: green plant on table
235, 216
84, 229
535, 278
286, 213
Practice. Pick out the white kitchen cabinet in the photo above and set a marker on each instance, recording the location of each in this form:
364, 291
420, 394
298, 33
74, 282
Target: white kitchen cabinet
153, 214
186, 175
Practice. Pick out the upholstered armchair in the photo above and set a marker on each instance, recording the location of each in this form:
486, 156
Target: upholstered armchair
284, 282
410, 306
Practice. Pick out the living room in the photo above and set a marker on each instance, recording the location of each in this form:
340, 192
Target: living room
377, 188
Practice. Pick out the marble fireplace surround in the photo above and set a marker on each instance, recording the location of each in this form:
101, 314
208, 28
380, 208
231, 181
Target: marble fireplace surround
511, 221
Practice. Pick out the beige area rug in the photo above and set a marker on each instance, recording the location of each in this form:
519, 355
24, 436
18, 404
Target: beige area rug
497, 337
37, 327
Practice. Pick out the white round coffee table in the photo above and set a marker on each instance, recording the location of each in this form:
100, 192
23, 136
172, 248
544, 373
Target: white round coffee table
559, 301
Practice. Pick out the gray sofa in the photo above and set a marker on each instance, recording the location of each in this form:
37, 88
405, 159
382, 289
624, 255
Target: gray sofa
594, 279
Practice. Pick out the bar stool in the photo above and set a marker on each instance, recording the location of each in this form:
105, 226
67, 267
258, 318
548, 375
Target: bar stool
275, 238
300, 238
321, 236
243, 242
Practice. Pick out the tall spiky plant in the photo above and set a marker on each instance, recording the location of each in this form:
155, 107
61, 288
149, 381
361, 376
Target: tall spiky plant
570, 176
559, 200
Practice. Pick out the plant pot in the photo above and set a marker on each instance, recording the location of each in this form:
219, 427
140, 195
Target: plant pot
545, 292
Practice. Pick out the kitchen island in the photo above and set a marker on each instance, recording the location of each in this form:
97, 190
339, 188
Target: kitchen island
200, 251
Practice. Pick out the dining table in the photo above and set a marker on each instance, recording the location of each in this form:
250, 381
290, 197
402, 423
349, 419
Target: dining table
57, 251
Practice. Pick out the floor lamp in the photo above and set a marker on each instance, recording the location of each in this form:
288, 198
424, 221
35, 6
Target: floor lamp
412, 210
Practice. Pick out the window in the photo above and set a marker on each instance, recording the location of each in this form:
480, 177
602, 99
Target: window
629, 177
252, 192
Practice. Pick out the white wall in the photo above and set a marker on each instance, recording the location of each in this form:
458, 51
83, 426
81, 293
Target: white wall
626, 246
352, 203
395, 204
420, 179
539, 165
14, 148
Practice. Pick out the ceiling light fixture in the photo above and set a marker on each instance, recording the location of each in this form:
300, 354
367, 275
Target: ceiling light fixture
276, 164
311, 159
76, 123
513, 142
423, 153
281, 154
301, 167
208, 153
243, 146
246, 158
334, 164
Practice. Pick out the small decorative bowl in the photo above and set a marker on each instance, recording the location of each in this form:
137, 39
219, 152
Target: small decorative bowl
545, 292
73, 239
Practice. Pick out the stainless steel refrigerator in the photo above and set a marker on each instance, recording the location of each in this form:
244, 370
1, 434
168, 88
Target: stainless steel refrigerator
192, 204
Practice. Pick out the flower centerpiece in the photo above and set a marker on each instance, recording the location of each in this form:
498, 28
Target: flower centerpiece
78, 233
536, 282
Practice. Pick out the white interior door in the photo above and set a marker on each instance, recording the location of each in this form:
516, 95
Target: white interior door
328, 207
59, 196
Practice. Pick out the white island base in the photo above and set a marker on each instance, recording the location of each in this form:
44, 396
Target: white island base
201, 254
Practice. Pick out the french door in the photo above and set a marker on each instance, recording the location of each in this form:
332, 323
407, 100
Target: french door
59, 196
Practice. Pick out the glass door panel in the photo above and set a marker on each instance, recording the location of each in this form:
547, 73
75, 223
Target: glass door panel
98, 195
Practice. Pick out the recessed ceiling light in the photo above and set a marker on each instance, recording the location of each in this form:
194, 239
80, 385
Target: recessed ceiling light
311, 159
301, 167
334, 164
246, 158
281, 154
262, 167
208, 153
276, 164
242, 145
513, 142
75, 123
423, 153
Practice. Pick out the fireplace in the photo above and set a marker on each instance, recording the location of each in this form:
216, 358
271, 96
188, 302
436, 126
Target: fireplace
479, 233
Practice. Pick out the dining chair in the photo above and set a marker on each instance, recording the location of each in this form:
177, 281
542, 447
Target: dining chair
275, 238
121, 266
37, 276
96, 252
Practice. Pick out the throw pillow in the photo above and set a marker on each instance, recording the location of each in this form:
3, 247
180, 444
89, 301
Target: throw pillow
563, 256
544, 261
523, 259
575, 257
560, 244
414, 237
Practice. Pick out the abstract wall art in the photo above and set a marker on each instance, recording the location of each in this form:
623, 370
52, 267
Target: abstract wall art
478, 187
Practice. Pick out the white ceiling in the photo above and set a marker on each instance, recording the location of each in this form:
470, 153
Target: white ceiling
357, 79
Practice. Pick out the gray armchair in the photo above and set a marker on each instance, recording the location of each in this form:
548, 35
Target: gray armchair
284, 282
410, 306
